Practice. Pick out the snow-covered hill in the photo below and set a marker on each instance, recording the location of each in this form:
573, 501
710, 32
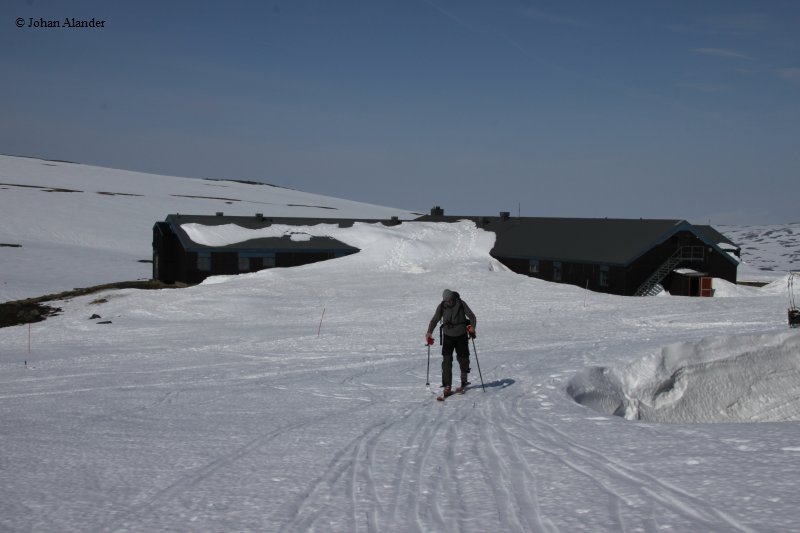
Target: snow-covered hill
60, 217
67, 225
294, 399
770, 248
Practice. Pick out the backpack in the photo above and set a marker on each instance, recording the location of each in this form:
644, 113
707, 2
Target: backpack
458, 314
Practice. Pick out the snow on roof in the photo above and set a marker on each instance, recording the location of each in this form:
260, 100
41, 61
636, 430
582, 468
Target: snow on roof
411, 247
226, 234
688, 272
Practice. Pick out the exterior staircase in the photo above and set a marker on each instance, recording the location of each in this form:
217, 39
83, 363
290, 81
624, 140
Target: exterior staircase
651, 286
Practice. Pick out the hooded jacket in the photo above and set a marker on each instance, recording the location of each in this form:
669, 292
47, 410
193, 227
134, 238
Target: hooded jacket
455, 315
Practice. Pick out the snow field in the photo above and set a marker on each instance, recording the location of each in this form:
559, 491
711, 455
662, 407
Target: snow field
220, 407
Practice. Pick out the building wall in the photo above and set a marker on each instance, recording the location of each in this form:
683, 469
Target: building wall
165, 247
624, 280
713, 263
290, 259
172, 263
185, 266
596, 277
693, 285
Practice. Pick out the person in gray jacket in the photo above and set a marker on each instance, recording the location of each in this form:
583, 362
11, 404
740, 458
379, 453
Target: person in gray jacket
458, 325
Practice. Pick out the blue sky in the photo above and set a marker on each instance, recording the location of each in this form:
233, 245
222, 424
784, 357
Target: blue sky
680, 109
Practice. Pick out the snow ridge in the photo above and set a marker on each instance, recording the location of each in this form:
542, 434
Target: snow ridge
751, 378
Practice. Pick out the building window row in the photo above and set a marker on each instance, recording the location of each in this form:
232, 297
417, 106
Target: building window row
204, 261
247, 261
535, 268
604, 276
252, 261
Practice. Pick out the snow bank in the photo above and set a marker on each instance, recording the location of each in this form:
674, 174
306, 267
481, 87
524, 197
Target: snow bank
726, 289
753, 378
410, 247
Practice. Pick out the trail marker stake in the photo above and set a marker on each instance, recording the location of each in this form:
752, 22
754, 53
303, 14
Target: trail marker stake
320, 321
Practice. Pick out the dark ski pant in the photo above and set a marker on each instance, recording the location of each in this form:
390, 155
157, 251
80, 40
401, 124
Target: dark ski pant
461, 346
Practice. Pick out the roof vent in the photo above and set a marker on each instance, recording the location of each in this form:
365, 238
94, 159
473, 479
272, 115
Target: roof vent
437, 211
505, 215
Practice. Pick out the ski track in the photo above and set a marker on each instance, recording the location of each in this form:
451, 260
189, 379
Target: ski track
403, 469
430, 478
186, 483
518, 481
615, 478
162, 497
425, 477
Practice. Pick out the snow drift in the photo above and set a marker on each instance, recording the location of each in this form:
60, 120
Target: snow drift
751, 378
411, 247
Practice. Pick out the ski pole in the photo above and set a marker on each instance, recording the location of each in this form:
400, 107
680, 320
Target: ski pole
428, 372
478, 363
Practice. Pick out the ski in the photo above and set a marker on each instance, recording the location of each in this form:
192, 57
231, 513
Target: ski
460, 390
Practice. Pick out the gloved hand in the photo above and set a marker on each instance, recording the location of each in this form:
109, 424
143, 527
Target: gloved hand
471, 331
429, 339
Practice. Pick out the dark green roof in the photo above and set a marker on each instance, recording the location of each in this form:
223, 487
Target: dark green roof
611, 241
579, 240
712, 235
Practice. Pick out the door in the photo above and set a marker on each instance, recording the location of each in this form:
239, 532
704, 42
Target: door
706, 286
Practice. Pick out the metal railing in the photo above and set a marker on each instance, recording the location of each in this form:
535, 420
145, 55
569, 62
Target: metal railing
684, 253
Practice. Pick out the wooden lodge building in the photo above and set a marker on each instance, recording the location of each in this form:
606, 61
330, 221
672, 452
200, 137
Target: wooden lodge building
618, 256
177, 258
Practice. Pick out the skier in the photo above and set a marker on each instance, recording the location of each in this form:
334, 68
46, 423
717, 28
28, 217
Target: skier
458, 325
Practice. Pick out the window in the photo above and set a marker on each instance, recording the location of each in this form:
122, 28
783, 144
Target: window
204, 261
533, 267
556, 270
253, 261
604, 276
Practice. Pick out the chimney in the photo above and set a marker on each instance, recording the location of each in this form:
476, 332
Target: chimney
505, 215
219, 213
259, 216
437, 211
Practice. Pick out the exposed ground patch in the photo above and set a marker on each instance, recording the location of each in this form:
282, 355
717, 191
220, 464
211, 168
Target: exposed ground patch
40, 187
119, 193
61, 189
206, 197
24, 312
315, 206
34, 309
246, 182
